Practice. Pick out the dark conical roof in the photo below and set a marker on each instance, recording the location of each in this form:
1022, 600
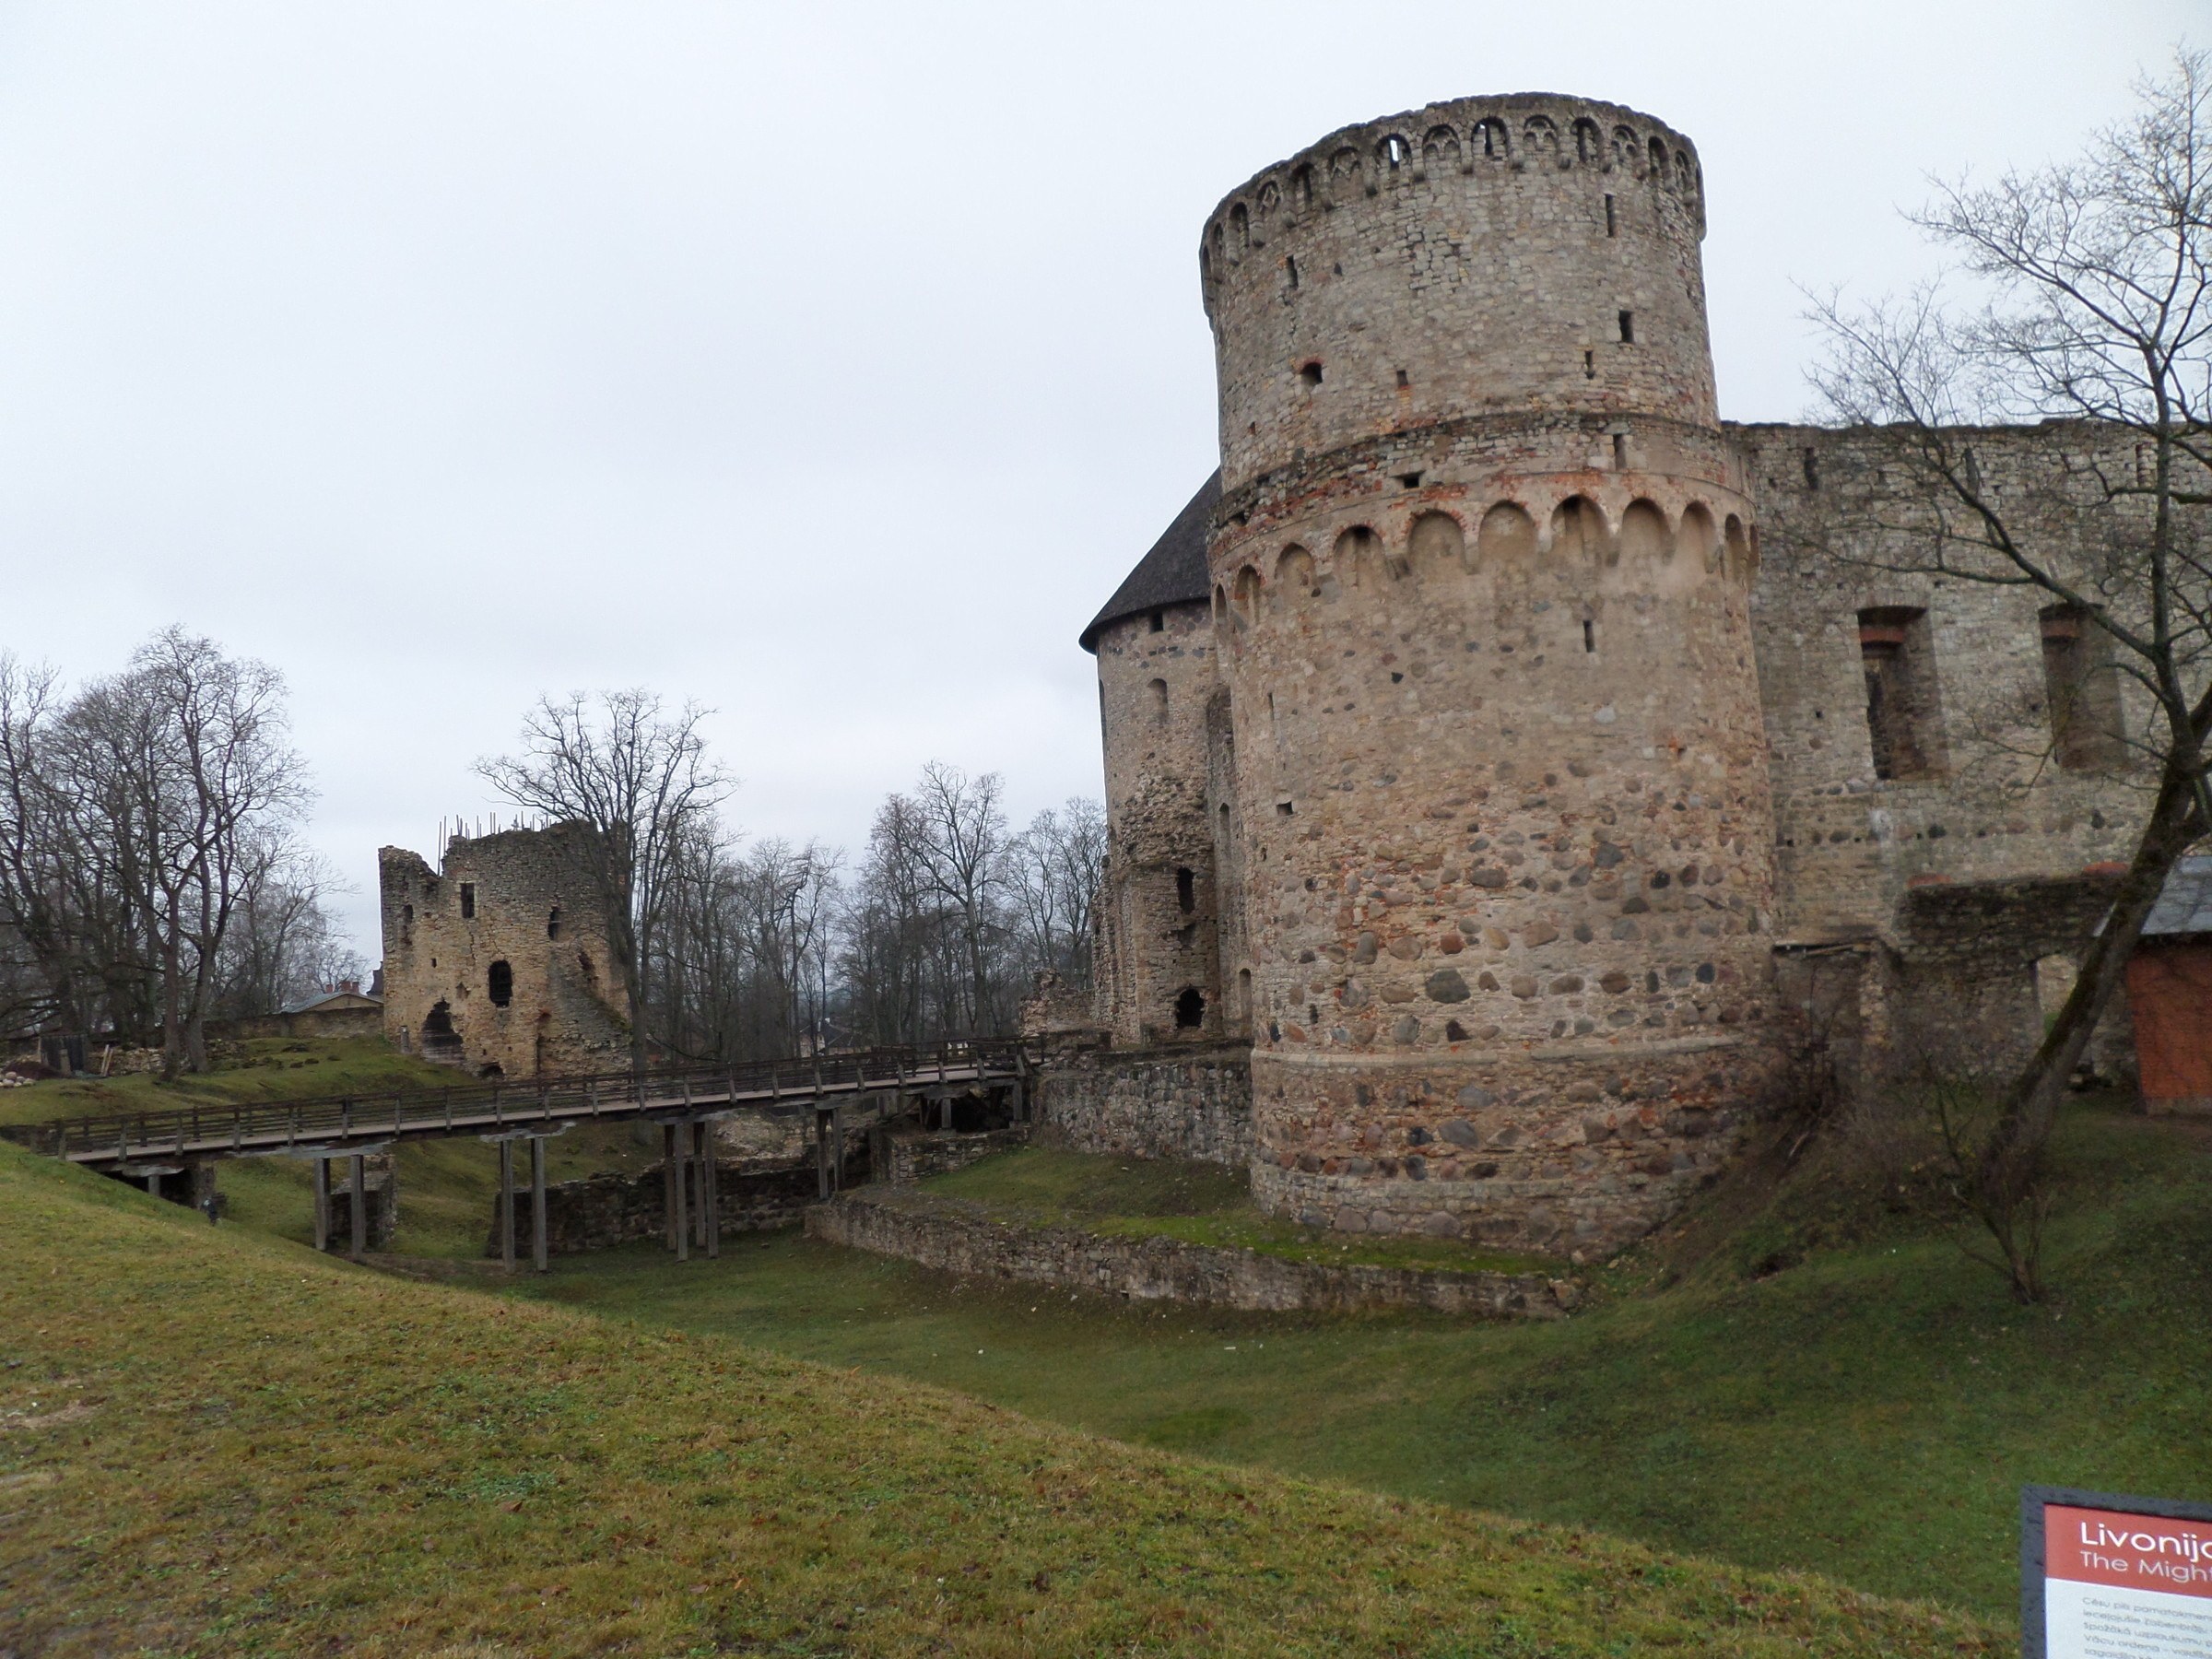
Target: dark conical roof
1173, 573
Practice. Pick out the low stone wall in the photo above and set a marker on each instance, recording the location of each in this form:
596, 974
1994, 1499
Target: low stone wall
1183, 1100
618, 1209
906, 1158
1161, 1269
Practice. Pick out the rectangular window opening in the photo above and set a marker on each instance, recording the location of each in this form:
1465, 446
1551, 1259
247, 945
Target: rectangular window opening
1589, 635
468, 900
1612, 227
1620, 452
1159, 622
1904, 716
1283, 809
1403, 381
1589, 365
1811, 460
2083, 689
1628, 328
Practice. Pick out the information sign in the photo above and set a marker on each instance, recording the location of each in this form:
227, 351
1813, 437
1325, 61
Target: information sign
2105, 1577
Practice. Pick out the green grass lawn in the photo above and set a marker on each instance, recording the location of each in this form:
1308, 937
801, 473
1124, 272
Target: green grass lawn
264, 1068
1200, 1204
1869, 1413
215, 1442
446, 1187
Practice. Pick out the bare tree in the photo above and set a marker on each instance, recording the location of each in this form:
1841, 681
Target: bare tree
1053, 873
281, 946
962, 846
637, 781
2094, 278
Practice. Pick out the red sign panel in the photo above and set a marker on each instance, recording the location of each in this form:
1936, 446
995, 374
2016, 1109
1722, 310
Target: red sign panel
2124, 1584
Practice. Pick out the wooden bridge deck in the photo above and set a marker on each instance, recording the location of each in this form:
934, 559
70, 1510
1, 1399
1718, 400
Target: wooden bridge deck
329, 1125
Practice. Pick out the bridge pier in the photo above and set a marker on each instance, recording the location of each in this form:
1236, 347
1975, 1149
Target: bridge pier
537, 1134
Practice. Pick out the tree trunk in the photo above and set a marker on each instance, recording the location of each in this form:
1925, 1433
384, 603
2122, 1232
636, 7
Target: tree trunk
2008, 1161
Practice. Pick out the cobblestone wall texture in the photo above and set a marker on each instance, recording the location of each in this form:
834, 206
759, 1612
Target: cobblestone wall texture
1174, 1102
1156, 671
497, 961
1155, 1269
1540, 735
600, 1210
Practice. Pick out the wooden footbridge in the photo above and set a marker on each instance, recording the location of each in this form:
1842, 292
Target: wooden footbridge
837, 1093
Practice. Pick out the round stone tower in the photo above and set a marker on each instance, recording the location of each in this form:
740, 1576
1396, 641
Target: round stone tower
1481, 569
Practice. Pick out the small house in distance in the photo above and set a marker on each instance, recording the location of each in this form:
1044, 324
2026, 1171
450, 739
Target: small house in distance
2170, 994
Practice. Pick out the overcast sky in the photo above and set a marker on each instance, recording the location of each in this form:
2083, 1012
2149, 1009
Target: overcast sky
828, 364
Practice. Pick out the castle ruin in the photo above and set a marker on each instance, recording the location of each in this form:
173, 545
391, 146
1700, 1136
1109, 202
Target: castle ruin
1466, 761
497, 960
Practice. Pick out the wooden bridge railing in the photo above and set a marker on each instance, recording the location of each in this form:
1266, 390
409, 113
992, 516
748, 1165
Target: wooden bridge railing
501, 1103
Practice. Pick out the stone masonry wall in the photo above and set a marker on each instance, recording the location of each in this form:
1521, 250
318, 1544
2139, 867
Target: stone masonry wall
1175, 1102
515, 901
600, 1210
1484, 596
906, 1156
1454, 261
1997, 804
1161, 891
1158, 1269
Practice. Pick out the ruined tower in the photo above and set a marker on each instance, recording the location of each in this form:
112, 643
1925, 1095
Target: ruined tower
1481, 572
1160, 937
497, 960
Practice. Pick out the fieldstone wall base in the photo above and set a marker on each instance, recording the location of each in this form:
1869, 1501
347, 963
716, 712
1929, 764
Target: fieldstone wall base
906, 1158
1186, 1101
601, 1210
1161, 1269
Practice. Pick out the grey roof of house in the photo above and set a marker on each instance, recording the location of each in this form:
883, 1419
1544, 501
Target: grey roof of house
1173, 573
2185, 904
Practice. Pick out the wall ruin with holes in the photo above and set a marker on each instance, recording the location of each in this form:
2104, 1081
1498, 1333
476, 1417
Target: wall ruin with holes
515, 902
1994, 797
1158, 971
1549, 813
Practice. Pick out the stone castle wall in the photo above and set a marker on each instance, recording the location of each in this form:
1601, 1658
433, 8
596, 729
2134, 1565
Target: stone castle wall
497, 961
1993, 801
1166, 1102
603, 1210
1484, 600
1158, 1269
1577, 783
1456, 261
1160, 920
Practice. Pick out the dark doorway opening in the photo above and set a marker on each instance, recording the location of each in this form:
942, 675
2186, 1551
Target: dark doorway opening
1190, 1009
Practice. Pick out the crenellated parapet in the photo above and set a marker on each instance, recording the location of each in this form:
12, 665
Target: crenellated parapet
1485, 256
1471, 138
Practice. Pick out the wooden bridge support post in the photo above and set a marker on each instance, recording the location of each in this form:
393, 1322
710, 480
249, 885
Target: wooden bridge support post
668, 1206
837, 1128
538, 1203
360, 1208
709, 1192
822, 1121
322, 1204
506, 1204
679, 1139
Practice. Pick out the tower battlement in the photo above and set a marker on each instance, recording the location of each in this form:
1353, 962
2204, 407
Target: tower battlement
1483, 257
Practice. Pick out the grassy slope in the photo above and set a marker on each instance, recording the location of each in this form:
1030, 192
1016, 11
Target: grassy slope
1203, 1204
446, 1187
215, 1443
1870, 1413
